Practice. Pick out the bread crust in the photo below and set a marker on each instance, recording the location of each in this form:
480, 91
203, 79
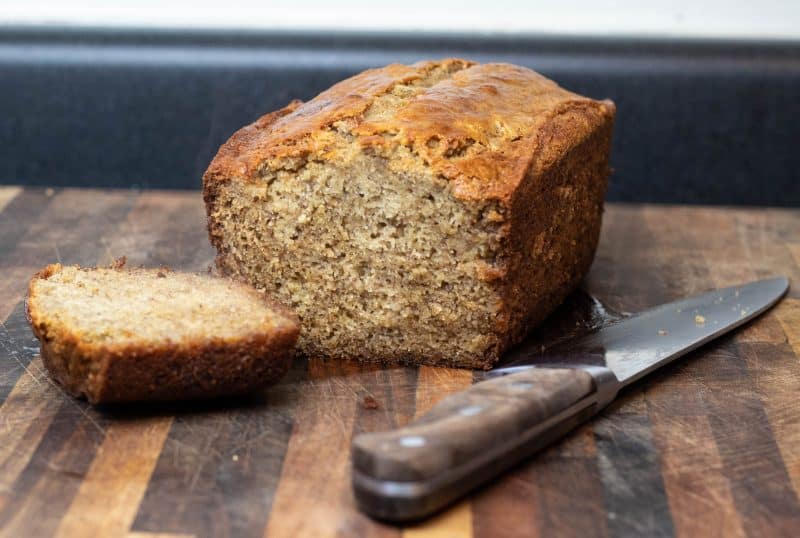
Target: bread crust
497, 132
493, 115
204, 368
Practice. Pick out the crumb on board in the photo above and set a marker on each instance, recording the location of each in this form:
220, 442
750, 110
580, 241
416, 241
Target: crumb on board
49, 192
700, 320
370, 402
235, 457
662, 332
119, 263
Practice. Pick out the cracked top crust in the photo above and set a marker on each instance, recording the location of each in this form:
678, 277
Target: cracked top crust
482, 126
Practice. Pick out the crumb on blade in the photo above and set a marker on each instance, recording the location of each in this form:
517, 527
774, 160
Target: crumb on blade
370, 402
700, 320
662, 332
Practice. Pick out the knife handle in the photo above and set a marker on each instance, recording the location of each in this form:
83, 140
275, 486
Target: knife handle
469, 438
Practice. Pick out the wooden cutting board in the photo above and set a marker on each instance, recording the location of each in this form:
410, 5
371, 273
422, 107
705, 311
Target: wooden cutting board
709, 446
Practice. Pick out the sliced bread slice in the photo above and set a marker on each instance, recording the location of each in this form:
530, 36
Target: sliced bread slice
118, 335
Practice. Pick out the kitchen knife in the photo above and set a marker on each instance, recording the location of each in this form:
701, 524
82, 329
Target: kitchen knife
535, 398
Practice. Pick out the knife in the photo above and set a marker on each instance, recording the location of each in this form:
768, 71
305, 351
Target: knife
535, 398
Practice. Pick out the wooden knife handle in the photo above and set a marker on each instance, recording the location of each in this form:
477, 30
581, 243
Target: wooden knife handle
466, 439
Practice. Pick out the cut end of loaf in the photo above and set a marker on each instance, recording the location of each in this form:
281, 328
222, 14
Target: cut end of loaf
380, 264
114, 334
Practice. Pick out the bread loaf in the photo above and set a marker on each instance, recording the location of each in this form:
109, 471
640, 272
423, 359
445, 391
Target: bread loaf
118, 335
430, 213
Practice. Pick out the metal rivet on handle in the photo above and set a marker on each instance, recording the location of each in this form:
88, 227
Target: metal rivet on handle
521, 385
412, 441
470, 410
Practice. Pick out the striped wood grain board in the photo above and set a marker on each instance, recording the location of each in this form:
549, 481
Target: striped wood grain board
708, 447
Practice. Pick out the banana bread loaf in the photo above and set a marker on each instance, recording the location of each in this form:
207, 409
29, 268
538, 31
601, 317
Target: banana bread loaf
118, 335
430, 213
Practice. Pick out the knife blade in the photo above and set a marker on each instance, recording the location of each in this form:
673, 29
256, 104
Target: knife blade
535, 396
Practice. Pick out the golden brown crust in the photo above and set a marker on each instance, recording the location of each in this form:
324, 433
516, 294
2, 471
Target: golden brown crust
555, 221
168, 372
477, 127
211, 367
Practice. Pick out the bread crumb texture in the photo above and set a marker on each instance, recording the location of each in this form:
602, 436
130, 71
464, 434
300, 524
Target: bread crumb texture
113, 334
430, 213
